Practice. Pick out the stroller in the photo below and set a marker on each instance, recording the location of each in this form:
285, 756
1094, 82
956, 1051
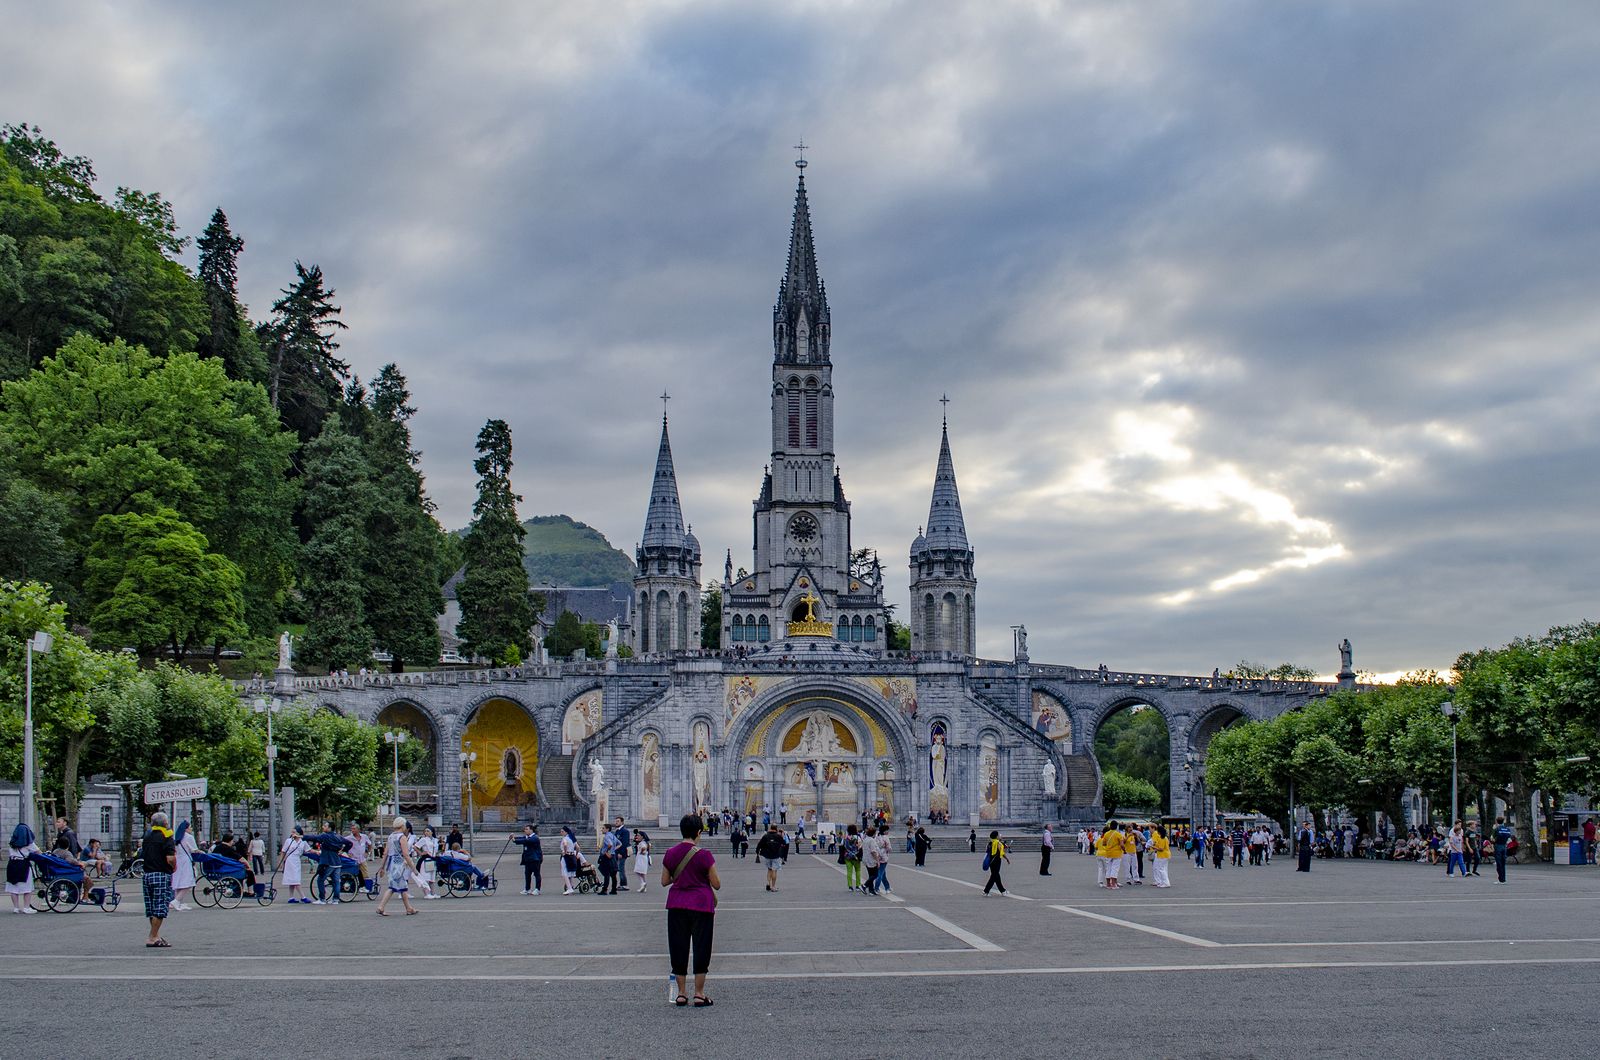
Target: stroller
60, 886
461, 876
221, 881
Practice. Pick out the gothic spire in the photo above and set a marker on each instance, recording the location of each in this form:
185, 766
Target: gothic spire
800, 317
663, 523
946, 527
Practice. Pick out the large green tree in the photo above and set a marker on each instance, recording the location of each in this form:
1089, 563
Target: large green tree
70, 262
305, 376
331, 762
32, 545
1134, 743
496, 614
403, 600
154, 583
230, 337
711, 616
338, 501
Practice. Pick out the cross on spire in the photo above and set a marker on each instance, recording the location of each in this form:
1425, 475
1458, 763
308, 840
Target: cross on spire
800, 163
944, 399
665, 397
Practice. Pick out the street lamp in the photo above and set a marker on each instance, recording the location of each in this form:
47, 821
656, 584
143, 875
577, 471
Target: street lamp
396, 738
40, 642
262, 706
1449, 710
467, 758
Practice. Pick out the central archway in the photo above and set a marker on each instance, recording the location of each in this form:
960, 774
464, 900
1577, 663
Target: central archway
822, 751
1132, 743
502, 781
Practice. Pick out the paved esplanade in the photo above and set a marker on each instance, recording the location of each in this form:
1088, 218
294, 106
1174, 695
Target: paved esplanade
1357, 959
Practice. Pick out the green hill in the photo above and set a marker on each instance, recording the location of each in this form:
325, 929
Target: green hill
562, 551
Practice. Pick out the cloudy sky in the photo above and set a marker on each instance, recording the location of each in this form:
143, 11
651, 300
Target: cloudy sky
1263, 324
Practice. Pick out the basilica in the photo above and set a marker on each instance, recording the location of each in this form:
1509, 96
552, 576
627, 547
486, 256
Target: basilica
803, 705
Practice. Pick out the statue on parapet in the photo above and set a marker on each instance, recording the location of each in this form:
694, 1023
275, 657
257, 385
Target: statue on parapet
285, 650
1345, 656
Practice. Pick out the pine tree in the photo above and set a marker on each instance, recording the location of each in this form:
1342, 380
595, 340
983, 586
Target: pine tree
403, 600
229, 338
496, 614
338, 500
304, 378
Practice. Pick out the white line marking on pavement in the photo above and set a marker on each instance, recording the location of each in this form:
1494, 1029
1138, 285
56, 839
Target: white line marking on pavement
48, 957
1219, 903
1096, 969
977, 942
1403, 942
895, 898
964, 883
1163, 932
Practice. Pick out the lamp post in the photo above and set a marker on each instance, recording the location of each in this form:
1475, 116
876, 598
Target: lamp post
40, 642
395, 738
467, 758
1449, 710
262, 706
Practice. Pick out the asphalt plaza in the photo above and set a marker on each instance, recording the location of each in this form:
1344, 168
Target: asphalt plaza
1382, 951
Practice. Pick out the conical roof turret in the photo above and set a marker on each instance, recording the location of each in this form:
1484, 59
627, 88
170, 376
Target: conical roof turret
946, 528
663, 521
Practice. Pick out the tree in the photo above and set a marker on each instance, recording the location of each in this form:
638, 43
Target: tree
1134, 743
229, 338
320, 753
31, 520
153, 213
153, 581
570, 633
1282, 672
711, 616
495, 610
305, 379
1119, 791
111, 428
403, 600
897, 636
338, 501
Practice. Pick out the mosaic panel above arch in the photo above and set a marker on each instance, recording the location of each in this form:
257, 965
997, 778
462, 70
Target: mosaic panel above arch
582, 719
755, 746
1050, 718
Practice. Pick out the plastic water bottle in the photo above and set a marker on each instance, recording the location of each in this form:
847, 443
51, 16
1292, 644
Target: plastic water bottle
672, 989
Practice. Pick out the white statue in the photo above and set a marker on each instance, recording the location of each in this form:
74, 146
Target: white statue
597, 777
1022, 642
285, 650
1344, 656
611, 639
1047, 776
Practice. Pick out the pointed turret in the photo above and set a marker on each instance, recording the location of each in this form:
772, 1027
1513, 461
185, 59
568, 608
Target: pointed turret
800, 322
944, 584
946, 527
666, 589
663, 522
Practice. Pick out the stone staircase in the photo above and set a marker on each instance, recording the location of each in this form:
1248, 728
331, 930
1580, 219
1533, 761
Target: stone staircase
1083, 782
555, 782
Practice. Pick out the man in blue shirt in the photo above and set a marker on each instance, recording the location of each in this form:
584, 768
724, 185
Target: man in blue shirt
330, 847
1502, 839
625, 838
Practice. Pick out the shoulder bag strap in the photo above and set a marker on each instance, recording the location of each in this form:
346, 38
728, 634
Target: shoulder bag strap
683, 863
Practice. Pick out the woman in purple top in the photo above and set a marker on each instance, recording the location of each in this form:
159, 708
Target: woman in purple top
690, 876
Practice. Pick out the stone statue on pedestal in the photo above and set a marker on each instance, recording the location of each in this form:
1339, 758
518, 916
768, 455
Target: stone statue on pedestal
285, 650
1047, 777
597, 777
612, 639
1345, 656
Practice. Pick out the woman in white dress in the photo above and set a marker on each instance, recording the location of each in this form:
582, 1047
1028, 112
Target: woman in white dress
641, 857
396, 869
183, 872
424, 849
569, 860
19, 870
293, 848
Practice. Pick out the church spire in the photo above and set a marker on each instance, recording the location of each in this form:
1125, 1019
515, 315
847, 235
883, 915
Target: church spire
663, 522
800, 321
946, 527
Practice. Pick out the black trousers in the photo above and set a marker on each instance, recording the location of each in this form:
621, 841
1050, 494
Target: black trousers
685, 926
608, 875
1500, 863
531, 880
1044, 861
994, 877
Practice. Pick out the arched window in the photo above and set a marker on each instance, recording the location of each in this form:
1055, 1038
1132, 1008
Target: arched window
856, 629
794, 413
870, 634
738, 627
929, 617
764, 631
684, 643
811, 413
643, 620
663, 638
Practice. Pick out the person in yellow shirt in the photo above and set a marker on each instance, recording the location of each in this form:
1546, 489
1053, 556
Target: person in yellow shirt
997, 855
1162, 849
1111, 854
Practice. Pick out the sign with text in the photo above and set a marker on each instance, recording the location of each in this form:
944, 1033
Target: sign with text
174, 791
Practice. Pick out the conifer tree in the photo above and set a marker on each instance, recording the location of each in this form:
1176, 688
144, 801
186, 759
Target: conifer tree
229, 338
402, 588
496, 614
338, 501
305, 378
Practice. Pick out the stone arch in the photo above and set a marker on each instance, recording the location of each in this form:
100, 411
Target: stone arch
1172, 725
504, 733
1209, 722
419, 786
